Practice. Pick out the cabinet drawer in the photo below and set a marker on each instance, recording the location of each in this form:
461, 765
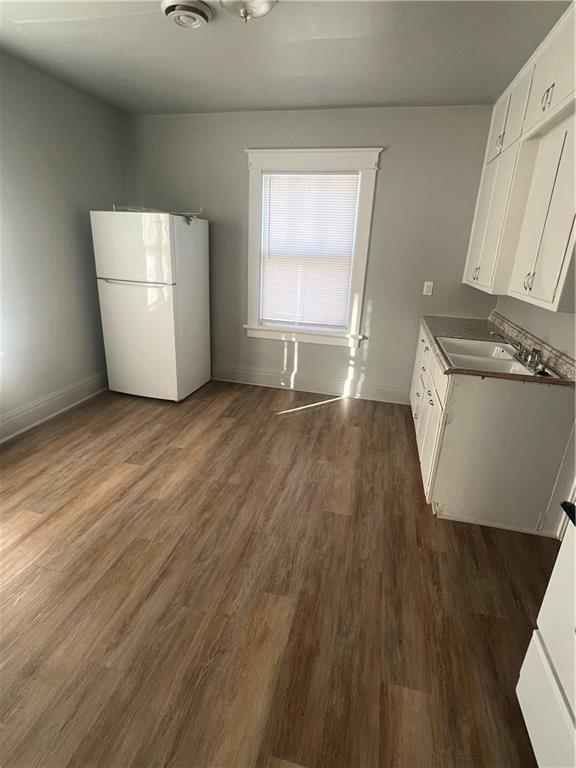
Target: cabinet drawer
545, 713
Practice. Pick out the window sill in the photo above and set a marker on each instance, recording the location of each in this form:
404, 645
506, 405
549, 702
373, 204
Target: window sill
308, 337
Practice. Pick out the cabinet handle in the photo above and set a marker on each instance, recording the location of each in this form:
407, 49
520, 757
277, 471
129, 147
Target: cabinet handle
423, 368
550, 92
429, 393
544, 100
531, 281
426, 349
526, 281
417, 394
431, 402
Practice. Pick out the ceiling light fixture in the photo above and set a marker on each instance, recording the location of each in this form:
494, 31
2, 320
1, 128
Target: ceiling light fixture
248, 9
190, 14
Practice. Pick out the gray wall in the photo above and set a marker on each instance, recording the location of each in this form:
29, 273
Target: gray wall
557, 328
61, 154
423, 211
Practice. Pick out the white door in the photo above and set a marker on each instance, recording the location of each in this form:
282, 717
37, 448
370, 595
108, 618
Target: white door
480, 221
549, 154
517, 109
133, 246
497, 127
541, 83
139, 338
504, 171
422, 421
557, 230
430, 438
557, 617
563, 83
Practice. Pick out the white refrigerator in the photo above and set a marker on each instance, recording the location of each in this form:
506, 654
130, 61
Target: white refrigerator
153, 286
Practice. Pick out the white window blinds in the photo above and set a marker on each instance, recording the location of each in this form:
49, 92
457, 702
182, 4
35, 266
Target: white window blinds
308, 236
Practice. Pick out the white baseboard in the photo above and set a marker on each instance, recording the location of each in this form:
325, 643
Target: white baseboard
502, 526
332, 386
29, 415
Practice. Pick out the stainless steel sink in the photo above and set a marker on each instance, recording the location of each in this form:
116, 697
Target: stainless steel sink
489, 356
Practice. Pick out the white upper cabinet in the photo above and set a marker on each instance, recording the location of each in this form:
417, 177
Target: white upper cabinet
517, 109
508, 116
523, 231
545, 247
490, 255
553, 79
494, 228
480, 222
497, 127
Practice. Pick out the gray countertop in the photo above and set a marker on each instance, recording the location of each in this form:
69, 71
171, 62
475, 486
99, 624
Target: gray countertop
477, 329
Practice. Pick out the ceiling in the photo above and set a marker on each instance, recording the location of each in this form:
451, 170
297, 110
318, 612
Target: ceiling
302, 55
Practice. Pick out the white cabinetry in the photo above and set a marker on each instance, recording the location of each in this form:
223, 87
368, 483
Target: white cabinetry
426, 402
553, 79
522, 235
544, 255
461, 419
508, 116
548, 676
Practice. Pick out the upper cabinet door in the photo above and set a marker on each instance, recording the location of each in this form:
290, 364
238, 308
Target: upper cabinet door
558, 227
517, 109
553, 78
498, 127
480, 222
504, 173
549, 153
563, 83
541, 82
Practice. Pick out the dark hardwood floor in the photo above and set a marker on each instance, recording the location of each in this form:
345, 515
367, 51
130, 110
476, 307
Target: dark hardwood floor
252, 578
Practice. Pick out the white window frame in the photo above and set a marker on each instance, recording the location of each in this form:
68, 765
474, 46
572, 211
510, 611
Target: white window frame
261, 161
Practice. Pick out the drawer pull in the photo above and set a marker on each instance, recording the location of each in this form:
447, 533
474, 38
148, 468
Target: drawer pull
431, 402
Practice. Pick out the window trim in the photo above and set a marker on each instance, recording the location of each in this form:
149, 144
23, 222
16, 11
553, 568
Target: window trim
260, 161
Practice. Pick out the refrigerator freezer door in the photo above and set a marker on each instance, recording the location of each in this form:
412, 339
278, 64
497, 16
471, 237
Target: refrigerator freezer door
133, 246
139, 337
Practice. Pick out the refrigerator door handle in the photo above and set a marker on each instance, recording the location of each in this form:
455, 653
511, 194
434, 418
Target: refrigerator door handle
134, 282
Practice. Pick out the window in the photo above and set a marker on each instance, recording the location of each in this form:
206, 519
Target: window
310, 214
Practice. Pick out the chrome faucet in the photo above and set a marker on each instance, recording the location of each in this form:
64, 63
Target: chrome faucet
531, 358
534, 359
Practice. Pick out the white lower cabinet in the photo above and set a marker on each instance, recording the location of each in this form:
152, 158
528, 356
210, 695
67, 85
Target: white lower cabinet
548, 676
426, 399
464, 428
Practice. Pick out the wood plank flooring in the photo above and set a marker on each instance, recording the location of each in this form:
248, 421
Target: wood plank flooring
252, 578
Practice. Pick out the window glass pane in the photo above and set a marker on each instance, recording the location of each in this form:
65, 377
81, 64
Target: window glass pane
308, 235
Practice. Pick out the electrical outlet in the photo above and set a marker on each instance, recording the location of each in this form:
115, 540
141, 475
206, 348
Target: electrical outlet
428, 289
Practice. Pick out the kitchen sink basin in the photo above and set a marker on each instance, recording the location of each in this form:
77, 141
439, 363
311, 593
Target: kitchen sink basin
489, 356
473, 348
490, 364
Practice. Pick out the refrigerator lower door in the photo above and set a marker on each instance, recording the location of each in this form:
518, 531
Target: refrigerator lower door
139, 338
